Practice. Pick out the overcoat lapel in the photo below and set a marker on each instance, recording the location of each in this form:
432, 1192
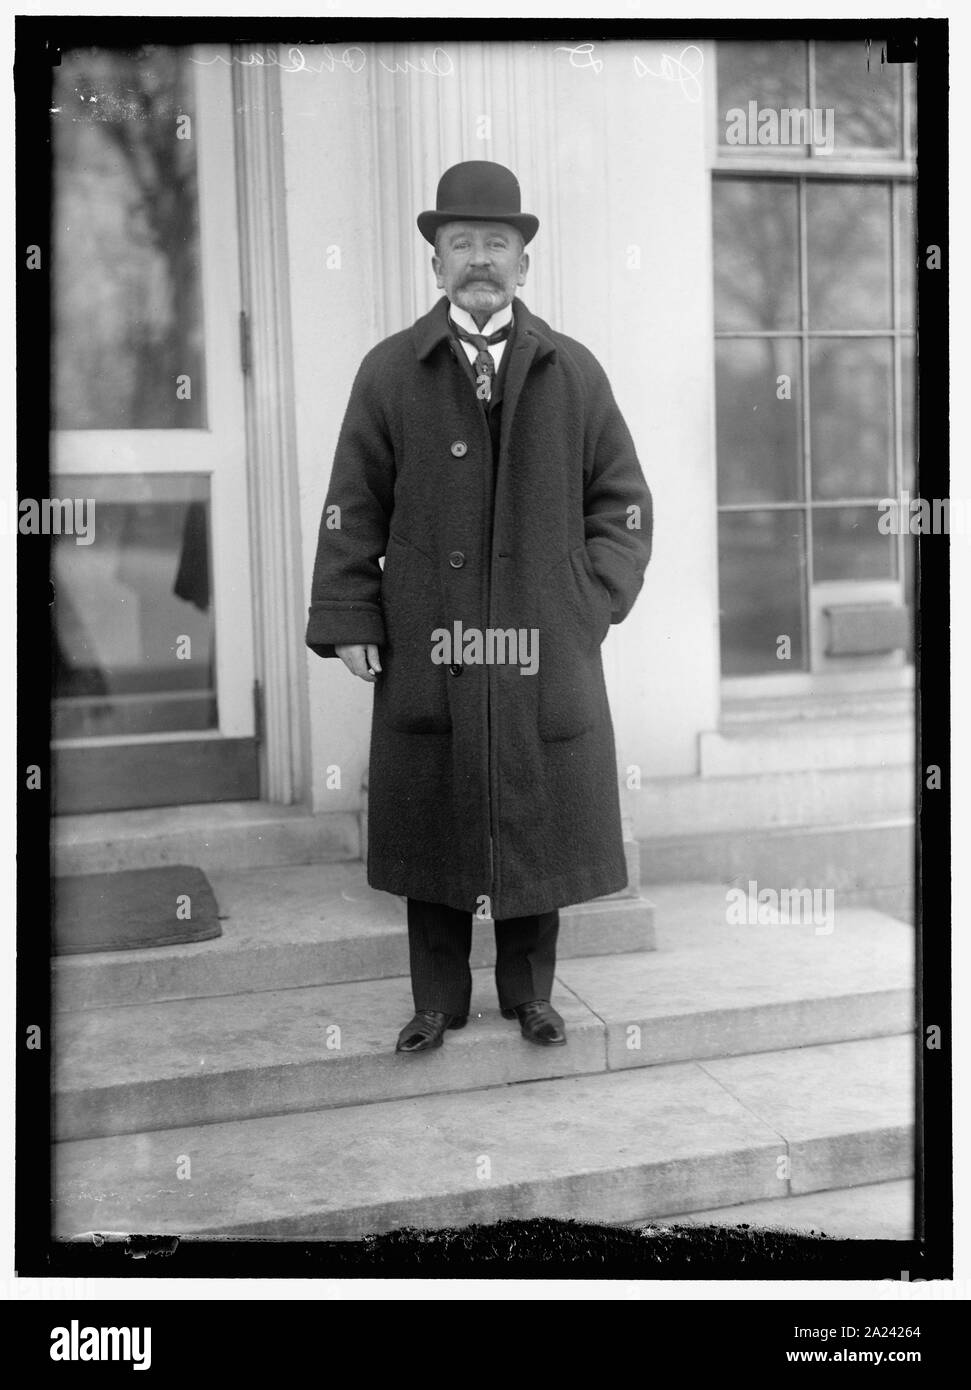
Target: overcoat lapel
531, 344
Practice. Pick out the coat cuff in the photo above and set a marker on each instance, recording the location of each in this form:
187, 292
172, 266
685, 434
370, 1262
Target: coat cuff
332, 625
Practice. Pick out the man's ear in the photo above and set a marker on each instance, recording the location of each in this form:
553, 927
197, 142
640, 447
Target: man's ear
437, 268
523, 268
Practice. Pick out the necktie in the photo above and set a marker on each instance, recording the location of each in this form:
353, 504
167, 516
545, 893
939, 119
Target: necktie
485, 368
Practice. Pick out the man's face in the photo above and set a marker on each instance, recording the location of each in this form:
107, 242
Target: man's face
479, 265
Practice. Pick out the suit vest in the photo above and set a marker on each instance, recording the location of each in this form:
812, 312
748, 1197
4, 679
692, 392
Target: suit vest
493, 407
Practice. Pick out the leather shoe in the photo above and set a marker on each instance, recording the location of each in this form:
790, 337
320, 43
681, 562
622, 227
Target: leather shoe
426, 1029
539, 1022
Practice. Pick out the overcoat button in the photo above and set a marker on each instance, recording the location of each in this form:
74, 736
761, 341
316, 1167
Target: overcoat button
460, 448
456, 559
455, 670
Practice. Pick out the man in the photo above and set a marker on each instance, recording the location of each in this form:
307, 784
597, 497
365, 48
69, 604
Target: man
483, 457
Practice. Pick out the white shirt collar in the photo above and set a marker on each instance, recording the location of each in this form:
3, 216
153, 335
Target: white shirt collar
465, 320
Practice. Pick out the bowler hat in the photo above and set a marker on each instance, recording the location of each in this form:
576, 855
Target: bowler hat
478, 191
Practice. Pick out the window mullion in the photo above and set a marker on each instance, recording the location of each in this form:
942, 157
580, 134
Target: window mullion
897, 366
811, 86
906, 114
806, 439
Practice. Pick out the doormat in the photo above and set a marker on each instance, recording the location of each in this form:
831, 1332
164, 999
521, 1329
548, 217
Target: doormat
133, 909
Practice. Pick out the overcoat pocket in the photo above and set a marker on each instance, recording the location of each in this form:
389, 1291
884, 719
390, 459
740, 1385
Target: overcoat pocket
574, 615
410, 694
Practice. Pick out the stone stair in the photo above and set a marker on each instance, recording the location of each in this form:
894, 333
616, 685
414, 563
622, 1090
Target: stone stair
612, 1147
288, 926
793, 792
248, 1085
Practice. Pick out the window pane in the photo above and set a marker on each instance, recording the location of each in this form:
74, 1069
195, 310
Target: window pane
756, 254
864, 94
848, 233
761, 568
848, 545
908, 415
851, 416
907, 255
132, 617
758, 434
773, 75
127, 312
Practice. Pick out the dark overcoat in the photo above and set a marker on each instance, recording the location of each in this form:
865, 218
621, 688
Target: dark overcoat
490, 788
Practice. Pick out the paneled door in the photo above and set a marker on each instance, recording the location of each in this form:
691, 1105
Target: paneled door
153, 663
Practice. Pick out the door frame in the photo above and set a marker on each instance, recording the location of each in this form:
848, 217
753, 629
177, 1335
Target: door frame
241, 102
279, 605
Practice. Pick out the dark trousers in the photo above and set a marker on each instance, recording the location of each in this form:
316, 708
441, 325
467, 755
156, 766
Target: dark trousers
439, 943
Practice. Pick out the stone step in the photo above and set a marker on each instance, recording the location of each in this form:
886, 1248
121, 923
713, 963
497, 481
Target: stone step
311, 925
806, 710
215, 835
624, 1146
683, 806
218, 836
866, 863
876, 1211
196, 1061
800, 745
245, 835
714, 991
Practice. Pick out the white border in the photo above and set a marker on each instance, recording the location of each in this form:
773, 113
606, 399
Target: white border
484, 1290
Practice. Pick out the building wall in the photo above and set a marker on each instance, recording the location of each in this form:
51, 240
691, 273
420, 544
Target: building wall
612, 160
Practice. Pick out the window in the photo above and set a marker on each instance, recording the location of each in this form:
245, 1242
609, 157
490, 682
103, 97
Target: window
133, 639
814, 344
128, 350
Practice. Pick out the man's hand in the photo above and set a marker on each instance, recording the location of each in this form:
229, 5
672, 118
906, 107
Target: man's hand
361, 661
